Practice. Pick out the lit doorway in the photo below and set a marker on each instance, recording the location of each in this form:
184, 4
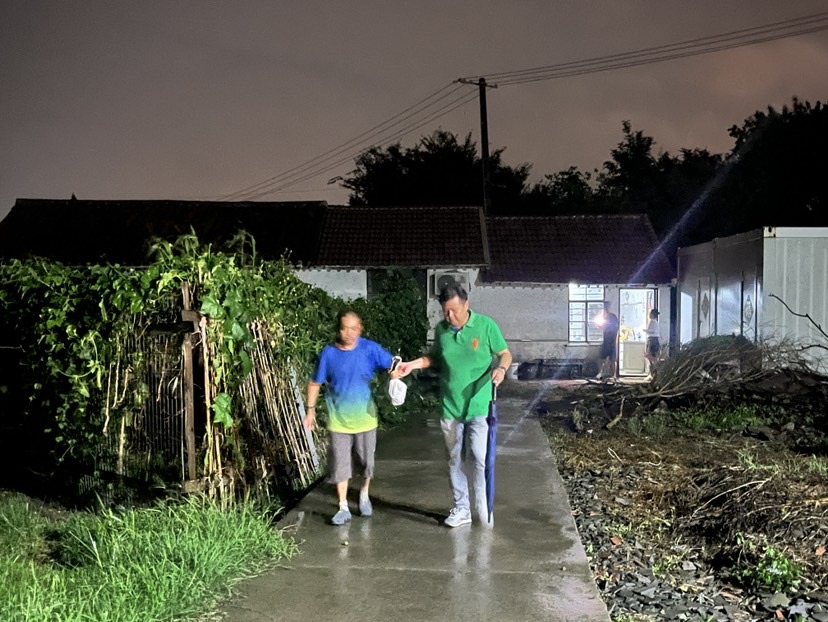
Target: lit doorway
634, 306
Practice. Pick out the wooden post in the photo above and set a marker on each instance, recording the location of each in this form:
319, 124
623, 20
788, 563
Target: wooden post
189, 406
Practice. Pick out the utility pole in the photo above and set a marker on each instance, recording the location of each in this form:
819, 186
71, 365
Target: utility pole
484, 138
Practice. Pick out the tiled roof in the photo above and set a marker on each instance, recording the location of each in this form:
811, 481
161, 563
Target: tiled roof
375, 237
585, 249
77, 231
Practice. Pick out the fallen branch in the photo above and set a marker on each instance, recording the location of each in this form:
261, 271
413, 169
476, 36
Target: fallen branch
760, 482
615, 421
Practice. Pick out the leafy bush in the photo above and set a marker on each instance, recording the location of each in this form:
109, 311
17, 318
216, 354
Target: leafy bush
396, 318
74, 326
764, 567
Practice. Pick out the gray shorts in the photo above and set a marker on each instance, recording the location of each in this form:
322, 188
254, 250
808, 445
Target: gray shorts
342, 449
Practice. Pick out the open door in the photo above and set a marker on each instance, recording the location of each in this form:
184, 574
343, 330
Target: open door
633, 314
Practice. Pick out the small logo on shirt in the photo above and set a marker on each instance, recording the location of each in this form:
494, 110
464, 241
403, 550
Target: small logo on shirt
475, 343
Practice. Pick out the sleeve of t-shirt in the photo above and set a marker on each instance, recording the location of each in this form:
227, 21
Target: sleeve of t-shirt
382, 357
496, 341
320, 374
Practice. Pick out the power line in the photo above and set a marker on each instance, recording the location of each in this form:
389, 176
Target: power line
314, 172
349, 145
426, 110
692, 47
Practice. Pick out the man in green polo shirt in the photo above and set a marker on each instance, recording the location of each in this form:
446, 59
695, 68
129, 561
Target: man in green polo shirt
470, 353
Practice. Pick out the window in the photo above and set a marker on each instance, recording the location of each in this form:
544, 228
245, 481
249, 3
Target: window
585, 302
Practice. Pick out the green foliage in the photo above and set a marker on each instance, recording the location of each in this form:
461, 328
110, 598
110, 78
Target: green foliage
159, 563
396, 318
817, 465
440, 170
75, 325
764, 567
723, 419
655, 426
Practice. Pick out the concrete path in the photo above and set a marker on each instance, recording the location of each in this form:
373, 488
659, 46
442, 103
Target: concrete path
402, 564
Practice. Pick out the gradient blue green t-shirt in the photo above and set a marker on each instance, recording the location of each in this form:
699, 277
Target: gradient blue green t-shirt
347, 375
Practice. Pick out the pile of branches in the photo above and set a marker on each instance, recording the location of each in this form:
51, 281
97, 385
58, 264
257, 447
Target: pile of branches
719, 372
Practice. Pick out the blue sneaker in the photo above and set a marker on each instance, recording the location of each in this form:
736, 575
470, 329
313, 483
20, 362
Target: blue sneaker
341, 517
365, 507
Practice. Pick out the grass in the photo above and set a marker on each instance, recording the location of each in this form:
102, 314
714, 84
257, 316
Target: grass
168, 562
725, 419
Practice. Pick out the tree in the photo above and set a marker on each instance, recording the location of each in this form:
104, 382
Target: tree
775, 173
562, 193
666, 188
438, 170
626, 183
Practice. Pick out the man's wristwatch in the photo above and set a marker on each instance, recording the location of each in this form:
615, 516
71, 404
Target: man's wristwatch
312, 407
501, 367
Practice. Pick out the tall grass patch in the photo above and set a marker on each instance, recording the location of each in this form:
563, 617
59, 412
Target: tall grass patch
167, 562
719, 419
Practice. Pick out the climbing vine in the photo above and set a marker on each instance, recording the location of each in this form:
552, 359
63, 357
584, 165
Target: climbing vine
73, 327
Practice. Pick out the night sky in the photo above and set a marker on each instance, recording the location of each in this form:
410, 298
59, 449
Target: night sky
197, 100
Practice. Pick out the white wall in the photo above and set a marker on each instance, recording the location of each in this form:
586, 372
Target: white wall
741, 272
534, 318
796, 270
347, 284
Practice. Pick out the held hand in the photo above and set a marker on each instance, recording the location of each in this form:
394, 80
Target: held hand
403, 369
498, 375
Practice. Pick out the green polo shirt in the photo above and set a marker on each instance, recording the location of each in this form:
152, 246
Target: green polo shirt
464, 359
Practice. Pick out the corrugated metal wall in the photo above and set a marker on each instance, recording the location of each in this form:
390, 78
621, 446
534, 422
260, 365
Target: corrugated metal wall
796, 270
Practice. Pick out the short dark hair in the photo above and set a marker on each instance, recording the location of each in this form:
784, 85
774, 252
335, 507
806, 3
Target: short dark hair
345, 313
450, 291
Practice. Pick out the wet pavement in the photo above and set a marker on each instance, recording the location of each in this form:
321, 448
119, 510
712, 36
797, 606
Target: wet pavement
402, 563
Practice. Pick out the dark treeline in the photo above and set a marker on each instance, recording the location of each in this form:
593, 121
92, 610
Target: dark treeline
773, 176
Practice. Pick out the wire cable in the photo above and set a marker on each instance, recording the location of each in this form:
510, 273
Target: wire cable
426, 110
315, 172
349, 145
693, 47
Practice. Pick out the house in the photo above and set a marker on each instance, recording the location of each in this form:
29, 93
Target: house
760, 284
79, 232
543, 279
360, 243
549, 277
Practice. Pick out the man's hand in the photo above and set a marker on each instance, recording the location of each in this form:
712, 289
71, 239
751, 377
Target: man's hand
498, 375
310, 421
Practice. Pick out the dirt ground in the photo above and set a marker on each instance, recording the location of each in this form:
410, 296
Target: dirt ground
695, 506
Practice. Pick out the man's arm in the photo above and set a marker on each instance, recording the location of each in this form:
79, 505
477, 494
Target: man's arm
406, 368
310, 417
504, 360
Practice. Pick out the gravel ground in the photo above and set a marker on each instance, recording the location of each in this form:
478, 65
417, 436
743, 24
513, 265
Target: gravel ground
650, 561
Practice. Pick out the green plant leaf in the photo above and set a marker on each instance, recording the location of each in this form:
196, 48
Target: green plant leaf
222, 410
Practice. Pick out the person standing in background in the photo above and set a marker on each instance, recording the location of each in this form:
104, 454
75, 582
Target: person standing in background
608, 353
653, 344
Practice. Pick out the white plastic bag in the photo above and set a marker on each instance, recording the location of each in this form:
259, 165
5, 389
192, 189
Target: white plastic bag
396, 391
396, 387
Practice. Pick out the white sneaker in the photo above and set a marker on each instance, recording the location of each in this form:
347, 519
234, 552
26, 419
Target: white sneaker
458, 516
